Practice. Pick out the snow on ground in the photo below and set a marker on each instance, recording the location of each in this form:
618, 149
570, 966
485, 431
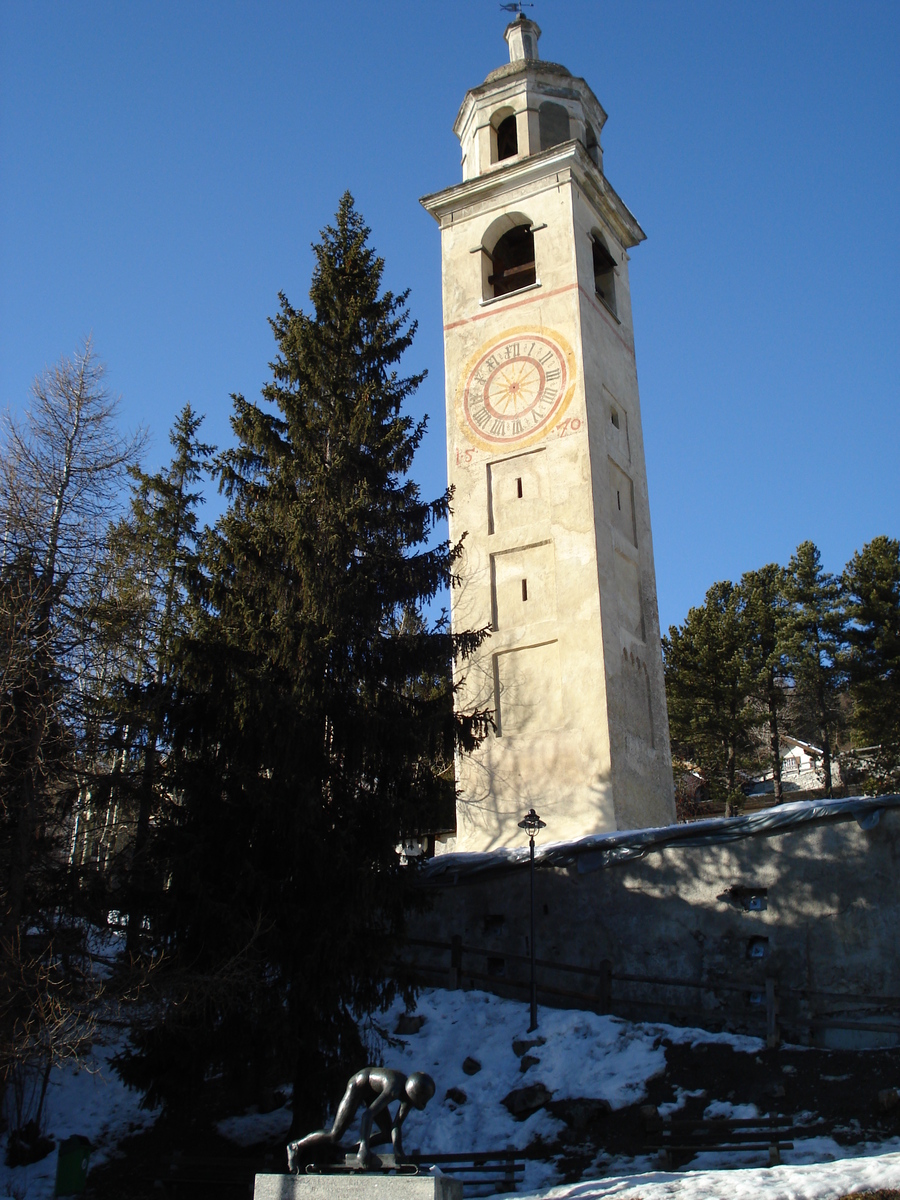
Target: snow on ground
823, 1181
584, 1056
676, 1105
733, 1112
587, 1056
91, 1101
87, 1099
253, 1127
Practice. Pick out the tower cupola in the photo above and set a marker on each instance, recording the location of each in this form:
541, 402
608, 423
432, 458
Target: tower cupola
525, 107
522, 38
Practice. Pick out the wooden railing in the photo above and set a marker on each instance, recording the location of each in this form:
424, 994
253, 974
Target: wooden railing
762, 1010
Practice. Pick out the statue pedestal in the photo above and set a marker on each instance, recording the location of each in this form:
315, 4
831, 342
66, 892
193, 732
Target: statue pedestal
357, 1185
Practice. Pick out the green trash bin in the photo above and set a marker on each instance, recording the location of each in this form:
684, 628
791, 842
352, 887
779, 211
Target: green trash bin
72, 1165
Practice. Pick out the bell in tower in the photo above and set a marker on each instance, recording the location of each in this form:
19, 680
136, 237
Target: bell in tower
546, 459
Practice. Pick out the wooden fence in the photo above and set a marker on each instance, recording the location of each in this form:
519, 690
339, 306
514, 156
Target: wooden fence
755, 1004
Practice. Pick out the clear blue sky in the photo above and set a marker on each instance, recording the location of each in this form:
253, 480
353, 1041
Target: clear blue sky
164, 168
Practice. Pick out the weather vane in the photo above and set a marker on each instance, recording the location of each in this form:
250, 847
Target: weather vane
516, 7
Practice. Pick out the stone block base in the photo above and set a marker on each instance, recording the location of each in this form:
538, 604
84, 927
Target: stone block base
357, 1187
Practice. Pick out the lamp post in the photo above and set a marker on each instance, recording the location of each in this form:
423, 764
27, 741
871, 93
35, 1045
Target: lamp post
531, 823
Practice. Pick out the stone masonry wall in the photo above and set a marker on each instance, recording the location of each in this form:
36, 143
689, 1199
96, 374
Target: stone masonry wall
798, 928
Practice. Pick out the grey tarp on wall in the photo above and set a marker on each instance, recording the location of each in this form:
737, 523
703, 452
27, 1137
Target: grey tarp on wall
607, 849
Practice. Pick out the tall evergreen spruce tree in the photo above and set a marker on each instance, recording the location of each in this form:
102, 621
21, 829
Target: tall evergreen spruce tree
815, 640
312, 745
155, 573
708, 690
765, 622
872, 588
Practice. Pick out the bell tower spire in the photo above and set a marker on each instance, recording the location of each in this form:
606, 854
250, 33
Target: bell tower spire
546, 459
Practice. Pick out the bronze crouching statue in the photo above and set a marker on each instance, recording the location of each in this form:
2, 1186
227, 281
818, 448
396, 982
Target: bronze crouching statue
376, 1088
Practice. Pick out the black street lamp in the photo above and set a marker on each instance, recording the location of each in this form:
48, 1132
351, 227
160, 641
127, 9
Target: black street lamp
531, 823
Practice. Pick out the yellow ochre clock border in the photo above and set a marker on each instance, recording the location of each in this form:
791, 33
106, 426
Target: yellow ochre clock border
471, 432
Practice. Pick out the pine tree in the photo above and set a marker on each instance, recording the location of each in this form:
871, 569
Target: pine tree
319, 728
708, 690
815, 638
764, 619
872, 589
146, 613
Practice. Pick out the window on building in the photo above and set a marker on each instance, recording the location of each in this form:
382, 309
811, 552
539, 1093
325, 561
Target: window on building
553, 121
604, 273
512, 262
591, 144
614, 417
507, 138
758, 947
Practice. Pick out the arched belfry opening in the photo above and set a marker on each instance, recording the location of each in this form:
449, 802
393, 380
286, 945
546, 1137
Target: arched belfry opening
592, 145
507, 138
511, 262
504, 135
604, 271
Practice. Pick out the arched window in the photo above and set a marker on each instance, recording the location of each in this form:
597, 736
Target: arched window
604, 272
512, 262
591, 144
504, 135
553, 120
507, 138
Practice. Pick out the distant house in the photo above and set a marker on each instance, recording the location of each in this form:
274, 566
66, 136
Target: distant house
691, 794
692, 786
801, 770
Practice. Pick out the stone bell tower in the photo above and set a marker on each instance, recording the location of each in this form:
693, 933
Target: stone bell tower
546, 458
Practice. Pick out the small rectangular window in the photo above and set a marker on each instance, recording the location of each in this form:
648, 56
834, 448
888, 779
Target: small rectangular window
519, 488
619, 499
758, 947
614, 417
524, 589
748, 899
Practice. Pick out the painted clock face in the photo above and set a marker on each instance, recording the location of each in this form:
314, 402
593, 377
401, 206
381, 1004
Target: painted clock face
516, 388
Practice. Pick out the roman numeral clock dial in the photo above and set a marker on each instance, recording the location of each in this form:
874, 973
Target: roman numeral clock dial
515, 388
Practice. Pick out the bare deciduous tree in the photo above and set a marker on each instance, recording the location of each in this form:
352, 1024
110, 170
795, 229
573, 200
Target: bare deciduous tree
48, 1002
62, 463
61, 468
